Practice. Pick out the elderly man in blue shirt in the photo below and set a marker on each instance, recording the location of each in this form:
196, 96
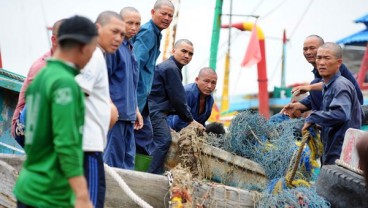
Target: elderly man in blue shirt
199, 99
168, 97
146, 49
340, 108
123, 79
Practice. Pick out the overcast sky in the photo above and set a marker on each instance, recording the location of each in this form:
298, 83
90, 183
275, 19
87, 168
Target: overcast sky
24, 38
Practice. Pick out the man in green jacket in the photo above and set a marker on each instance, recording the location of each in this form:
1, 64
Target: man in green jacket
52, 175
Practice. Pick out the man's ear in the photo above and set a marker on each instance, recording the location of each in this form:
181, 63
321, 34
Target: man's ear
152, 11
98, 26
339, 61
196, 79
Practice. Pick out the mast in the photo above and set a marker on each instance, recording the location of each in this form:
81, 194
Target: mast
225, 88
215, 34
283, 63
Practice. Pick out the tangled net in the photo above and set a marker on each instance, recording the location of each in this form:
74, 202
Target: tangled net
269, 144
298, 197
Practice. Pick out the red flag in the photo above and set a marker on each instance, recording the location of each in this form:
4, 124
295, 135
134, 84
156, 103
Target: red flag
253, 53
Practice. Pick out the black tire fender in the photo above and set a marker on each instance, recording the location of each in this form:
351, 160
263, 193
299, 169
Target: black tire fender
342, 187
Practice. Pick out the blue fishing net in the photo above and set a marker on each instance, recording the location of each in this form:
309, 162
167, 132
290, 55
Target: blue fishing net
273, 146
300, 197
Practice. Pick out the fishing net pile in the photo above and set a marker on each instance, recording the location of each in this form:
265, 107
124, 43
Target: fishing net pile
254, 155
269, 144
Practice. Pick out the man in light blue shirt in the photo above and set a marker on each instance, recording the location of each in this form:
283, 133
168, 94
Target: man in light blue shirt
146, 49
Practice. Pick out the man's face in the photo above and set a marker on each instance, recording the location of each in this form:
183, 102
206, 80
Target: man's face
310, 49
183, 53
110, 35
206, 82
327, 63
132, 22
162, 17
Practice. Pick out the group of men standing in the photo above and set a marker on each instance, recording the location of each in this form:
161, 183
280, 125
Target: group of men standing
101, 98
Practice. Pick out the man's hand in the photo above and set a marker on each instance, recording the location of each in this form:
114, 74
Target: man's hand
194, 123
82, 203
138, 124
289, 109
79, 187
301, 90
114, 115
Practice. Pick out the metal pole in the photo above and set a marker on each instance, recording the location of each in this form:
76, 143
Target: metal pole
225, 89
215, 34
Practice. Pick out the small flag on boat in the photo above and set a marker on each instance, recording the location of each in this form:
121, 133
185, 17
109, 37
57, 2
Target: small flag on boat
253, 53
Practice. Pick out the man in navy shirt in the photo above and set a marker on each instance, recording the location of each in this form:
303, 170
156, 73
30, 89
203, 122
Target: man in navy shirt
168, 97
314, 100
146, 50
340, 108
199, 99
123, 78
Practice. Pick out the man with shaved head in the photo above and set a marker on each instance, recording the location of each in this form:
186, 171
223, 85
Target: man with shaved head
100, 111
340, 108
199, 98
314, 101
168, 97
146, 50
123, 79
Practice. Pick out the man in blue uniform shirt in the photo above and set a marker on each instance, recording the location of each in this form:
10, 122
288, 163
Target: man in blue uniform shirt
314, 100
340, 108
146, 50
199, 99
123, 78
168, 97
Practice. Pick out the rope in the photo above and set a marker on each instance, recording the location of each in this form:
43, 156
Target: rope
349, 167
126, 188
12, 148
290, 177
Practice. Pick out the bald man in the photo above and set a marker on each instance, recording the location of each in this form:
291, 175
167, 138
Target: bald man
340, 108
314, 100
199, 99
123, 80
168, 97
146, 50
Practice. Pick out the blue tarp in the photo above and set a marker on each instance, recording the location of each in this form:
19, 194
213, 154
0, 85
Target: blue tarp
359, 38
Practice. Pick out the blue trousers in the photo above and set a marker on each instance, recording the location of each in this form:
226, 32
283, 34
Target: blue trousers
120, 148
143, 136
161, 141
95, 176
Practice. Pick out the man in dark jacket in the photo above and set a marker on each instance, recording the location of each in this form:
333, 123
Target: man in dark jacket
340, 108
168, 97
199, 99
314, 100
